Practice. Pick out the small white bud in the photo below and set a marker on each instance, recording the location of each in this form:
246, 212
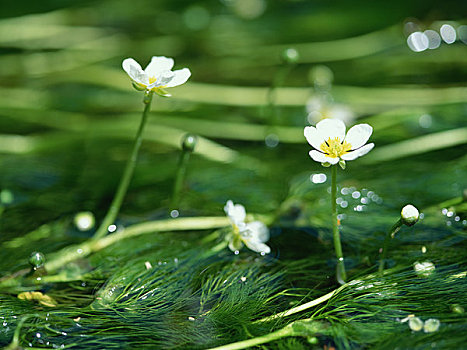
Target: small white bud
409, 215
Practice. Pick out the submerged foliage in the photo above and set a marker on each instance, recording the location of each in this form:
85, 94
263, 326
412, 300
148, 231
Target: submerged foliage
67, 120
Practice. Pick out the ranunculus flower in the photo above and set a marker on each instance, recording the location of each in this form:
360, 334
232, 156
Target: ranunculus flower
332, 144
157, 76
253, 234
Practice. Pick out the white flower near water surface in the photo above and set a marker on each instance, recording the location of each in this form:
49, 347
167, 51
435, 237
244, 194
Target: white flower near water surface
333, 145
253, 234
157, 76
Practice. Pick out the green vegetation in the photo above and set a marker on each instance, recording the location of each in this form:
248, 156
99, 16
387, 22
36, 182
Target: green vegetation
68, 117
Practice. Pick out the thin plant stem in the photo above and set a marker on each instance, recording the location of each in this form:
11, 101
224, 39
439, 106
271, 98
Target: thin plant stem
391, 233
341, 274
182, 165
287, 331
127, 174
302, 307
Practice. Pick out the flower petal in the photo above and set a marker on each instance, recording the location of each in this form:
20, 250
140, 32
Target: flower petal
180, 77
313, 137
134, 70
331, 128
332, 160
359, 152
358, 135
258, 231
163, 79
257, 246
322, 158
236, 213
158, 65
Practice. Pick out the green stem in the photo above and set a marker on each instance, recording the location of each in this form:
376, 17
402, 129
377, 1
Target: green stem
391, 233
182, 165
127, 174
341, 274
302, 307
281, 333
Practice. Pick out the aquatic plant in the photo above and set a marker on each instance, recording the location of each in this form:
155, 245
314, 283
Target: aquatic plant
332, 145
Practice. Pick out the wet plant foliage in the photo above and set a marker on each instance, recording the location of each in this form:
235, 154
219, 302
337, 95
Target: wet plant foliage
68, 116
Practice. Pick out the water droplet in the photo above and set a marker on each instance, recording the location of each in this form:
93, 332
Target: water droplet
38, 335
341, 259
418, 42
37, 259
356, 194
444, 211
345, 191
84, 221
271, 140
449, 214
112, 228
423, 249
457, 218
434, 40
243, 278
422, 216
344, 204
339, 200
318, 178
79, 251
425, 121
448, 33
236, 252
364, 200
174, 213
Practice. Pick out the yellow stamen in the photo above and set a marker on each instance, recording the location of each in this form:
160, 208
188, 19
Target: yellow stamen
152, 80
335, 147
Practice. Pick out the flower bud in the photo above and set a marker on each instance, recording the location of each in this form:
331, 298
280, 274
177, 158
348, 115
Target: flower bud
189, 142
409, 215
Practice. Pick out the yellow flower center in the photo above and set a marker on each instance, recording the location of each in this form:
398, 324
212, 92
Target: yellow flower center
152, 80
335, 147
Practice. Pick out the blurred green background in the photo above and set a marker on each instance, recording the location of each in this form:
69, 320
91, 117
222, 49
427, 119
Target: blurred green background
68, 116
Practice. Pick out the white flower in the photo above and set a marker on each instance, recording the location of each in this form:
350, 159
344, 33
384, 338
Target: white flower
332, 144
252, 234
157, 76
424, 269
409, 215
318, 108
